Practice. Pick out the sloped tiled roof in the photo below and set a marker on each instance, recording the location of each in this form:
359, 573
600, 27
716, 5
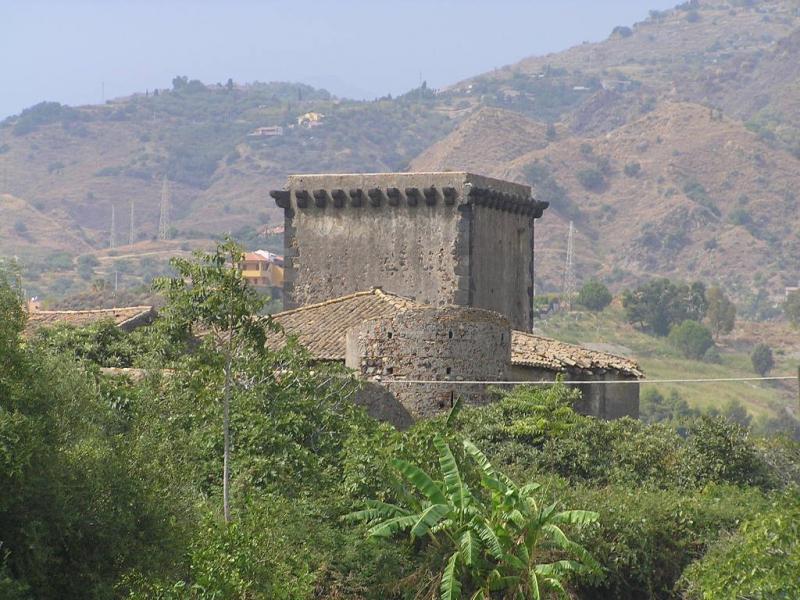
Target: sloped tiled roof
535, 351
322, 328
123, 316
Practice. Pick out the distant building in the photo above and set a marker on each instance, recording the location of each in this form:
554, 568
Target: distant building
126, 318
272, 131
263, 269
310, 119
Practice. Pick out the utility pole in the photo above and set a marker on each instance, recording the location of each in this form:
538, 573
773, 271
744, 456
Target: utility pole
132, 236
569, 269
163, 221
113, 237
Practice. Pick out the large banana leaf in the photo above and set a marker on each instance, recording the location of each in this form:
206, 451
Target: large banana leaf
452, 476
450, 588
428, 518
423, 482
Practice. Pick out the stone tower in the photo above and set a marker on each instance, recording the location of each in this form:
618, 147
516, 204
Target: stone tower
440, 238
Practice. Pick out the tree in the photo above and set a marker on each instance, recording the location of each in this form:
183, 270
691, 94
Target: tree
691, 338
659, 304
721, 312
762, 359
594, 296
791, 308
591, 179
211, 295
492, 542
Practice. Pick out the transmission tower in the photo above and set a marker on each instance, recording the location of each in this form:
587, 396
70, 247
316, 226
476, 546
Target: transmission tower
163, 221
132, 236
569, 269
112, 242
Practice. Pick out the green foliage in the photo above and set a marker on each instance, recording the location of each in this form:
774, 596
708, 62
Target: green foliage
44, 113
762, 359
721, 311
761, 560
659, 304
654, 407
791, 308
495, 538
594, 296
547, 189
102, 343
691, 339
632, 169
591, 179
697, 192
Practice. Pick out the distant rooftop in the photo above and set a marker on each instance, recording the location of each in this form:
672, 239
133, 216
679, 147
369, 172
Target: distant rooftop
321, 328
127, 317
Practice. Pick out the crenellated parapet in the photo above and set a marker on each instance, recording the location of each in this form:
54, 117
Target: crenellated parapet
441, 238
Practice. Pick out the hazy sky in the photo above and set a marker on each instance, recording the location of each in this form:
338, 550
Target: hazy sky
74, 50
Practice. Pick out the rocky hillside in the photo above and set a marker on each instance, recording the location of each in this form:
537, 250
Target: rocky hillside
672, 145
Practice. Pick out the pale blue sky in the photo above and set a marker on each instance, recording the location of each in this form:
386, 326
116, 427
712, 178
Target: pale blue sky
64, 50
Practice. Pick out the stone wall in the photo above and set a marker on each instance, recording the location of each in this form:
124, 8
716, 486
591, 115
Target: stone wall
445, 344
603, 400
438, 238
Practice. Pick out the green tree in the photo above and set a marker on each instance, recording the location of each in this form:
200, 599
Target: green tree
721, 312
659, 304
210, 296
500, 540
594, 296
691, 338
762, 359
791, 308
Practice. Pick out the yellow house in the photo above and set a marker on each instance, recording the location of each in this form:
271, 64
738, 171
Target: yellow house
263, 268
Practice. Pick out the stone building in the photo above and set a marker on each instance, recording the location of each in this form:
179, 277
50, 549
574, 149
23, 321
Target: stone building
423, 283
395, 343
438, 238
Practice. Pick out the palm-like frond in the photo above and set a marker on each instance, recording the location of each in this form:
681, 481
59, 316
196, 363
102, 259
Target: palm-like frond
450, 588
452, 476
376, 510
421, 480
470, 547
429, 518
392, 526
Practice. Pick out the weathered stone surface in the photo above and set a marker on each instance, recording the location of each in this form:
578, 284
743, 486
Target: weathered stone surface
438, 247
447, 344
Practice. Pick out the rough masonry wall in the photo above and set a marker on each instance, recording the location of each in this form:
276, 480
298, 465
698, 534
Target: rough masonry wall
501, 264
602, 400
405, 245
447, 344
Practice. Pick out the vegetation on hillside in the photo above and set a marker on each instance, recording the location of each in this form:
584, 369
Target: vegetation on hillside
114, 485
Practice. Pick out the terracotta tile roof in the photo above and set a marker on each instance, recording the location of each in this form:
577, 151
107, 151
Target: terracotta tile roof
124, 317
535, 351
321, 327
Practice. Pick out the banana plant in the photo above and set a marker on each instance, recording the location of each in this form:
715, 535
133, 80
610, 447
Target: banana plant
497, 541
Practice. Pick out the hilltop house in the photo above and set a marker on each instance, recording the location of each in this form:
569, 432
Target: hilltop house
263, 268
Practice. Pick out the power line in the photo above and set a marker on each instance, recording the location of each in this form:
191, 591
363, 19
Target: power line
163, 220
569, 268
113, 237
132, 227
586, 382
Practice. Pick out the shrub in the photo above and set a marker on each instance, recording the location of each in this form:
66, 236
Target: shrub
594, 296
632, 169
762, 359
591, 179
791, 308
622, 31
761, 561
691, 338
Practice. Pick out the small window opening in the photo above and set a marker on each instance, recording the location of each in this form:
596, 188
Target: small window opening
448, 370
390, 370
502, 337
441, 403
452, 398
450, 334
389, 335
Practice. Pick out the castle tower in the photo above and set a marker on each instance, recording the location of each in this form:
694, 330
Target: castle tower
444, 238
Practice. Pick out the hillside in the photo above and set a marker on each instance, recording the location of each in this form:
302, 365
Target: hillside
672, 145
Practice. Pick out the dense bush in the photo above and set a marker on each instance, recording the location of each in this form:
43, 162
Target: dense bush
691, 339
594, 296
762, 359
591, 179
